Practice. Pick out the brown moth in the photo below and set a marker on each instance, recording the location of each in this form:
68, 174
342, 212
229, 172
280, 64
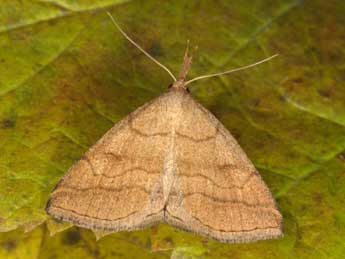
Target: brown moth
169, 161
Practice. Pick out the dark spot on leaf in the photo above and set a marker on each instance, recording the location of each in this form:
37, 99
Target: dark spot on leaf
325, 93
317, 197
256, 102
52, 22
208, 254
9, 245
156, 49
169, 241
71, 237
154, 229
8, 123
341, 156
297, 80
282, 98
204, 241
95, 253
303, 207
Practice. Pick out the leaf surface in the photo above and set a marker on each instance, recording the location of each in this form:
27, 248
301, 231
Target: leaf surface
67, 75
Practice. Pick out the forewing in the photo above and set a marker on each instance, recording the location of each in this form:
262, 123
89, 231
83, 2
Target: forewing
116, 184
217, 191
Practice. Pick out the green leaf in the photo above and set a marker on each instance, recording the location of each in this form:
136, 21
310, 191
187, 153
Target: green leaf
67, 75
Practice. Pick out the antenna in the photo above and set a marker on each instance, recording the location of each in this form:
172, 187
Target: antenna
231, 71
140, 48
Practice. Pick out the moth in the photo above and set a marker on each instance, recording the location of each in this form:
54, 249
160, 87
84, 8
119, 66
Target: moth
169, 161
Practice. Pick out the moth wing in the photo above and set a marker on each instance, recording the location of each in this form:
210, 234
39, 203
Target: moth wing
116, 184
217, 191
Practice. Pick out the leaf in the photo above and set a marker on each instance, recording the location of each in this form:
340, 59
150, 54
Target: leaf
75, 243
67, 75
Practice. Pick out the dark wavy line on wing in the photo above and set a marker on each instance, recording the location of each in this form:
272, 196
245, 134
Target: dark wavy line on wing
201, 139
220, 229
92, 217
115, 176
124, 187
218, 185
134, 129
249, 205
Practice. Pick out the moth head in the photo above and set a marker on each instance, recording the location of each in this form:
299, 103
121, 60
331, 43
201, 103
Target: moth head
179, 85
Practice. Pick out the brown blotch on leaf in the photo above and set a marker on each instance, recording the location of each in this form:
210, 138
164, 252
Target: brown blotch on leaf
327, 93
317, 197
169, 241
282, 98
256, 102
156, 49
297, 80
71, 237
8, 123
9, 245
341, 156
